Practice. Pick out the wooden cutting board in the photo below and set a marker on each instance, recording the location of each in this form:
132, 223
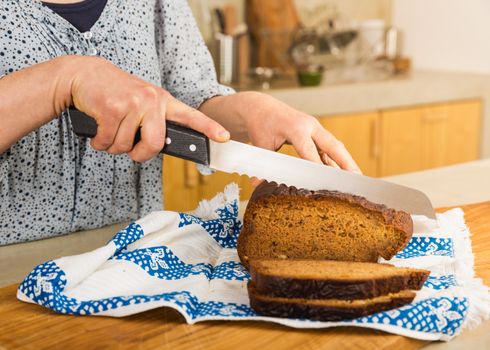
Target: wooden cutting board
30, 326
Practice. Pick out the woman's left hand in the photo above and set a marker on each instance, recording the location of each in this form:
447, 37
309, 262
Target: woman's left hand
270, 123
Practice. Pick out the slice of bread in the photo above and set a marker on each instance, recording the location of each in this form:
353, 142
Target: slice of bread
325, 309
286, 222
323, 279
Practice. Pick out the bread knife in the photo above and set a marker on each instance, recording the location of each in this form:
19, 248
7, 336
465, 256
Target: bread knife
244, 159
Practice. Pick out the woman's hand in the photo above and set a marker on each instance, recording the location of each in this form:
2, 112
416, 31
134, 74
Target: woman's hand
269, 123
121, 103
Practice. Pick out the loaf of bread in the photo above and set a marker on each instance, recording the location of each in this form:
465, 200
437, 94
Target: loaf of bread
285, 222
325, 309
324, 279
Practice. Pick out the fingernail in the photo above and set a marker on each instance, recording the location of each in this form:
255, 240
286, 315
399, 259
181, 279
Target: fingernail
224, 135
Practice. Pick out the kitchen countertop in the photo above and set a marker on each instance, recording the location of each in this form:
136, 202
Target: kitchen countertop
416, 88
451, 185
454, 185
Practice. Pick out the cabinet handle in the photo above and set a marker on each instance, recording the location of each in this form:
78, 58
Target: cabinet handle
191, 175
375, 133
429, 117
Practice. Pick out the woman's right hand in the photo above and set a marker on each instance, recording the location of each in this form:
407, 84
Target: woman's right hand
121, 103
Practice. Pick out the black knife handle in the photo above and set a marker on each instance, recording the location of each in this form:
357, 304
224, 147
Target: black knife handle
180, 142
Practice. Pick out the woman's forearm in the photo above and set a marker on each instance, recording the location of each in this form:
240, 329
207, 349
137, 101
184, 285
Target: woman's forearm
32, 97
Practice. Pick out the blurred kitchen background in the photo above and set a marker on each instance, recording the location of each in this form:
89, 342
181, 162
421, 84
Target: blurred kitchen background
405, 84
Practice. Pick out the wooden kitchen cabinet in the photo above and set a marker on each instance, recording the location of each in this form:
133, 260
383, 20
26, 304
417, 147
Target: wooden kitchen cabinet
215, 183
359, 133
180, 184
184, 187
400, 133
463, 142
383, 143
425, 137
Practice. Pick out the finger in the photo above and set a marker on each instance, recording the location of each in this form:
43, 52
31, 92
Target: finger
152, 136
124, 140
194, 119
306, 148
106, 133
335, 149
329, 161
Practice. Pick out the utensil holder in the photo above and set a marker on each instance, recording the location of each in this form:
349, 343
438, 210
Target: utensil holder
227, 57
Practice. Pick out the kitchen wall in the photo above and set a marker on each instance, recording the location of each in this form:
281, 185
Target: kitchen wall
355, 10
437, 34
445, 34
309, 10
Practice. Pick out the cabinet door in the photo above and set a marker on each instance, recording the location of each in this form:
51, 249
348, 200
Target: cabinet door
184, 187
215, 183
401, 146
434, 136
180, 184
463, 142
359, 133
414, 139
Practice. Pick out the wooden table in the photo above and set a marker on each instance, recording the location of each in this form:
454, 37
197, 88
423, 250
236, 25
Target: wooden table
29, 326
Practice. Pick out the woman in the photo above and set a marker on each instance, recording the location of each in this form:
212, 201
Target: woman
110, 59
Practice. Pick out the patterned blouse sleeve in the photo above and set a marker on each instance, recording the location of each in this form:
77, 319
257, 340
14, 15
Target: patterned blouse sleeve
186, 65
3, 156
3, 167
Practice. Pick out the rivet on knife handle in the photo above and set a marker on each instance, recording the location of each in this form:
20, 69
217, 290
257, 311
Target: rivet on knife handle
180, 142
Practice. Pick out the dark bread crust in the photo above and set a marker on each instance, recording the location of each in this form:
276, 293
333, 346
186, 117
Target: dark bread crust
399, 220
370, 287
294, 308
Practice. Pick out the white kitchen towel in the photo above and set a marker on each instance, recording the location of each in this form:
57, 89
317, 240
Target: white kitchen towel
189, 262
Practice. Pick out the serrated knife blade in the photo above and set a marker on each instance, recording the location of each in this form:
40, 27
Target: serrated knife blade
236, 157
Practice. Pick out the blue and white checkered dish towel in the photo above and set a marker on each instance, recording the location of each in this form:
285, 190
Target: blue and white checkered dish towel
189, 262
